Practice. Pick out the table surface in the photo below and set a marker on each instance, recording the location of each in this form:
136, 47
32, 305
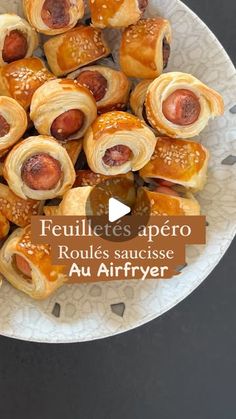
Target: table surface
180, 366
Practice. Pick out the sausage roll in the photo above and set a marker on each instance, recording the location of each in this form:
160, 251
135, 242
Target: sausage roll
18, 211
53, 17
63, 109
17, 39
166, 202
145, 48
28, 267
177, 161
39, 168
4, 229
74, 49
73, 148
109, 87
137, 100
180, 106
116, 14
118, 142
11, 127
22, 78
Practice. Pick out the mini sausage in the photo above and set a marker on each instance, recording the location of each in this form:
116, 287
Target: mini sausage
4, 127
67, 124
15, 46
166, 183
117, 155
166, 191
41, 172
23, 266
182, 107
166, 53
142, 5
55, 14
95, 82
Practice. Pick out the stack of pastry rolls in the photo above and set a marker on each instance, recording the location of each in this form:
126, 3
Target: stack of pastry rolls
82, 123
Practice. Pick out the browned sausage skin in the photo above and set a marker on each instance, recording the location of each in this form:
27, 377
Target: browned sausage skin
182, 107
95, 82
55, 14
117, 155
41, 172
67, 124
15, 46
142, 5
166, 53
4, 127
23, 266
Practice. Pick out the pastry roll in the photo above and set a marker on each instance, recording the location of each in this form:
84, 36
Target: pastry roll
53, 17
28, 267
63, 109
116, 14
137, 100
17, 39
22, 78
11, 127
109, 87
39, 168
74, 49
118, 142
73, 148
166, 202
4, 228
177, 161
180, 106
18, 211
145, 48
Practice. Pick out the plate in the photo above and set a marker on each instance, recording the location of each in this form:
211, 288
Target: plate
85, 312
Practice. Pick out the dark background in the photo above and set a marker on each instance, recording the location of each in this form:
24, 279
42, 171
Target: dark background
180, 366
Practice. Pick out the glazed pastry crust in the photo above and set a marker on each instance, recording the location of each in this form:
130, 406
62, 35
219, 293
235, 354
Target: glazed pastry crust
160, 204
74, 49
73, 148
141, 51
4, 229
59, 96
114, 14
179, 161
33, 9
24, 150
22, 78
117, 94
160, 89
46, 278
138, 97
118, 128
9, 109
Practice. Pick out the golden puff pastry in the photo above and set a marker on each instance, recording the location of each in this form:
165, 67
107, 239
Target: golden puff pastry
117, 143
39, 168
180, 106
13, 123
28, 267
145, 48
22, 78
180, 162
109, 87
73, 148
52, 17
4, 229
137, 99
116, 14
63, 109
17, 39
74, 49
165, 203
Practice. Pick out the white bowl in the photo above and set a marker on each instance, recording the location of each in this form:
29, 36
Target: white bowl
86, 312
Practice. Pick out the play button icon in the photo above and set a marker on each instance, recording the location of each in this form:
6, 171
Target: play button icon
117, 210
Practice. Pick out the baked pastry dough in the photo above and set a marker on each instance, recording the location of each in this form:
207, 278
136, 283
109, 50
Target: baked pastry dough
145, 48
74, 49
73, 148
189, 103
53, 17
4, 229
156, 203
18, 211
39, 168
118, 142
54, 105
181, 162
28, 266
116, 14
11, 127
17, 39
22, 78
137, 99
110, 87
